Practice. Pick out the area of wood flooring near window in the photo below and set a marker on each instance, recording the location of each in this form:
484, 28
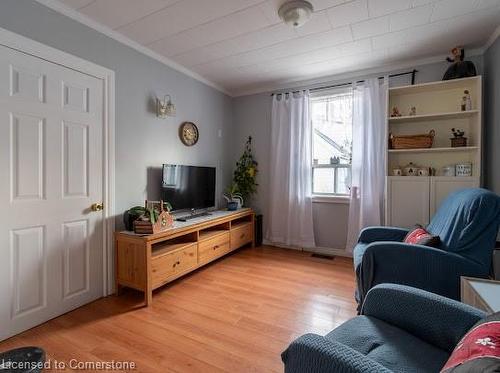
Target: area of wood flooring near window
235, 315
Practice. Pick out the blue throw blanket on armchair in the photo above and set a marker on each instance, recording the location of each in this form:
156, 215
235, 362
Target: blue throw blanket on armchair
467, 223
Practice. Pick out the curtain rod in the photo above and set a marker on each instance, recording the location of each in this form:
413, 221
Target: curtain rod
412, 73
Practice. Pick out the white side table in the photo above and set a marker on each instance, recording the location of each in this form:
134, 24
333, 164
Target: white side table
480, 293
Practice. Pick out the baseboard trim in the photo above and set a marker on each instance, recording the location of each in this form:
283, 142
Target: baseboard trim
317, 249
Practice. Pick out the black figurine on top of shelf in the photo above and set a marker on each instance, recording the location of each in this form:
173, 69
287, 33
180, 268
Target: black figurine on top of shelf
459, 68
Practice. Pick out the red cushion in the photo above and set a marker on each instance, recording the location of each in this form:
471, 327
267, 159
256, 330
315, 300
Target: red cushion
416, 235
479, 349
419, 236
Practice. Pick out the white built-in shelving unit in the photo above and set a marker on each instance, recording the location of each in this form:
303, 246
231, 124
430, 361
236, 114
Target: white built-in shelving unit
412, 200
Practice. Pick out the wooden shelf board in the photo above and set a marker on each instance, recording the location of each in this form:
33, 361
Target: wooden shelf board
168, 248
208, 234
240, 224
434, 86
436, 150
439, 178
435, 116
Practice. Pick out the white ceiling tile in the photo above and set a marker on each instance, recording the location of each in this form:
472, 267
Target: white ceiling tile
76, 4
445, 9
175, 44
451, 8
265, 37
410, 18
348, 13
484, 4
291, 47
416, 3
248, 42
318, 23
321, 55
370, 27
390, 40
378, 8
325, 4
270, 9
228, 27
105, 11
181, 16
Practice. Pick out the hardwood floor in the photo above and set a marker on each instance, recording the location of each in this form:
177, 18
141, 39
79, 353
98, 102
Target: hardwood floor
235, 315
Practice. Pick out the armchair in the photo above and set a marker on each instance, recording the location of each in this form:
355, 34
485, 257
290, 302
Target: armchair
467, 223
389, 336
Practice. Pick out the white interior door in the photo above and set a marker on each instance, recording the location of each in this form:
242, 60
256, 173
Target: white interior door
51, 157
407, 201
442, 186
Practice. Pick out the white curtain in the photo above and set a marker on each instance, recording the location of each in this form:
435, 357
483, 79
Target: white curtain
290, 204
368, 157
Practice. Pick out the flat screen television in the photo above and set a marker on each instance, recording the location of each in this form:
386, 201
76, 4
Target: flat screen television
188, 187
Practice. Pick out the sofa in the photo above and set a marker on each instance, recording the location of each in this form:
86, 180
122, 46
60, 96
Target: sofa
467, 224
400, 329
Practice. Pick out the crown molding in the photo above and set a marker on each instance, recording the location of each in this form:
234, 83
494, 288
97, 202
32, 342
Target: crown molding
339, 78
494, 36
81, 18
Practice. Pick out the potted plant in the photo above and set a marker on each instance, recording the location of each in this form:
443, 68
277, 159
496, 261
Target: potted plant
245, 174
150, 212
233, 197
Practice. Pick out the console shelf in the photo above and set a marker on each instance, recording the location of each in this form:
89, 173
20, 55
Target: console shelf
147, 262
209, 234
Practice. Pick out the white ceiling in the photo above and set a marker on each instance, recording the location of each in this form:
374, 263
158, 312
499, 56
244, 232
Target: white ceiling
242, 45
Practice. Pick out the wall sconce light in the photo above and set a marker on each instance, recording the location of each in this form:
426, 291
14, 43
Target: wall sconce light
165, 108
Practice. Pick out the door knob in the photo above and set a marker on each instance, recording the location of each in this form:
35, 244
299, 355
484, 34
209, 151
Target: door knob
97, 206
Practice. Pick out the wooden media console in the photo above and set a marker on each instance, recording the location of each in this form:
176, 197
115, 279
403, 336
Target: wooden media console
147, 262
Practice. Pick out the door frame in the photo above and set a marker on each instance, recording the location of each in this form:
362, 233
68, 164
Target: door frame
31, 47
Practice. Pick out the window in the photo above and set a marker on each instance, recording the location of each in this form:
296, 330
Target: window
331, 117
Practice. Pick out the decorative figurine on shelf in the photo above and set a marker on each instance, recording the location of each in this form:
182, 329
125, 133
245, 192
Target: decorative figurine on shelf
459, 68
395, 112
466, 101
397, 171
463, 105
413, 111
424, 171
410, 169
458, 138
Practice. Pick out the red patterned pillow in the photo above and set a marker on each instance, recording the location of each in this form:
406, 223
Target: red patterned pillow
419, 236
478, 350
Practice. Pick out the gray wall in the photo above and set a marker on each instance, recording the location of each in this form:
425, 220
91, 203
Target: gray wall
252, 116
492, 117
143, 142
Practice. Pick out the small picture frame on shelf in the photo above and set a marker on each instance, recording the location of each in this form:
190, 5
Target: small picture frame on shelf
463, 169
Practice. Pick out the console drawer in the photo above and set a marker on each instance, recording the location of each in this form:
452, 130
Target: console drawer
213, 247
167, 265
241, 235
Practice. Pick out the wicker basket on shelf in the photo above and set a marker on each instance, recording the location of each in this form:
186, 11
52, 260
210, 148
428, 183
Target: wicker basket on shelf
412, 141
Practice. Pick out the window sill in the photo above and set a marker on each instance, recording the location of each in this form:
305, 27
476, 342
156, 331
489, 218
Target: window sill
331, 199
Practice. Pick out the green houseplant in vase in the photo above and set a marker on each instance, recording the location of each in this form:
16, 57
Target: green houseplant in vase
233, 197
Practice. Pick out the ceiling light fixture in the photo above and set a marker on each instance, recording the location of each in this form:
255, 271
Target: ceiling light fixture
295, 12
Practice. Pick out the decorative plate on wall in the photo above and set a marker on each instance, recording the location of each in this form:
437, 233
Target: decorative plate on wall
188, 132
